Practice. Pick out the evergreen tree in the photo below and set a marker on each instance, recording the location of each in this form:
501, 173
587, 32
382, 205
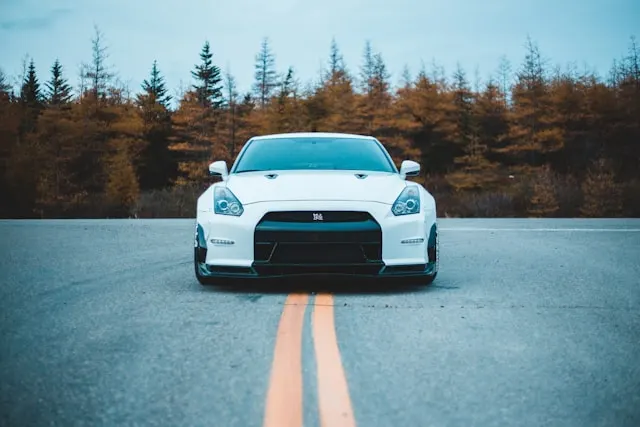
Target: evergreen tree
266, 78
30, 94
31, 100
155, 88
58, 90
157, 166
208, 88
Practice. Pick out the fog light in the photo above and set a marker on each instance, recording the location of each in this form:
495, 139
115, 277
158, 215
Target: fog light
222, 242
412, 241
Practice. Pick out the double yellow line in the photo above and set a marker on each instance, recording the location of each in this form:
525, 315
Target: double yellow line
284, 406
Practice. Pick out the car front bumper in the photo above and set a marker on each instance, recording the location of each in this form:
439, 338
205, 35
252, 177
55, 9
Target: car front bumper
260, 244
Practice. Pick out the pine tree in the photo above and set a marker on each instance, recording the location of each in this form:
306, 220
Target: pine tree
58, 90
154, 88
157, 166
266, 78
209, 80
30, 94
31, 100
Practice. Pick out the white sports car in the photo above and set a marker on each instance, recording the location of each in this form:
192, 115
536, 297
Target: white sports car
315, 204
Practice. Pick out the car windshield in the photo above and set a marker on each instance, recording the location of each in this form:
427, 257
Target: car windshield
314, 153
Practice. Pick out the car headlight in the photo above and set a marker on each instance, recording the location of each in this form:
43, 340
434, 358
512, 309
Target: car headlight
408, 202
226, 203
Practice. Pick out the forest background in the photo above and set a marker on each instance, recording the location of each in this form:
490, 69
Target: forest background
533, 140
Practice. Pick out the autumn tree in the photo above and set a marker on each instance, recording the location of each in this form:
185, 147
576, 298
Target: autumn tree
543, 202
472, 135
423, 110
521, 142
374, 105
601, 193
367, 69
333, 106
504, 79
232, 112
287, 111
266, 77
97, 72
622, 150
533, 133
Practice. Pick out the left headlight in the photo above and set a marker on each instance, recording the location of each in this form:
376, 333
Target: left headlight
226, 203
408, 202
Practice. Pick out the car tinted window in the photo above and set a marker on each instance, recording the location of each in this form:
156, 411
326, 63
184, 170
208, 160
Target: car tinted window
314, 153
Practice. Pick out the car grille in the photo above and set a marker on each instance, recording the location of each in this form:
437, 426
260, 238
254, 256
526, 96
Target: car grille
327, 216
292, 242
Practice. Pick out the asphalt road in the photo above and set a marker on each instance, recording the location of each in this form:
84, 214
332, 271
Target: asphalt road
529, 323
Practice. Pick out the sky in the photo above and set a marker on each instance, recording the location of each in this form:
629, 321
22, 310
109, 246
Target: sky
472, 33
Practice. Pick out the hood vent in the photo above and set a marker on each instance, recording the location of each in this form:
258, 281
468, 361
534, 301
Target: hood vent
271, 175
361, 175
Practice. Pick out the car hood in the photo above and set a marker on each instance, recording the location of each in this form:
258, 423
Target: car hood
254, 187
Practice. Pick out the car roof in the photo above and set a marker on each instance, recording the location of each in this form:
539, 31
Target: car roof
312, 135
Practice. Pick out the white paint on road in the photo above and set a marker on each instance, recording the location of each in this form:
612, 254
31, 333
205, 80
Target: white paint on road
598, 230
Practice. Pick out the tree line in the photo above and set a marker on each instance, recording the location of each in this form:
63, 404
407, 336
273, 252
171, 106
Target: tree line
531, 140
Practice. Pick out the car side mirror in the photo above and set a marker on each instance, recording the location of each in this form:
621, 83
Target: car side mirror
219, 168
409, 168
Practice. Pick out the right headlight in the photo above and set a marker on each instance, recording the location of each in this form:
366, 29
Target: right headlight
226, 203
408, 202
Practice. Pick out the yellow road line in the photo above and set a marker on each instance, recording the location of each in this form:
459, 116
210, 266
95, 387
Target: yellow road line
284, 397
333, 391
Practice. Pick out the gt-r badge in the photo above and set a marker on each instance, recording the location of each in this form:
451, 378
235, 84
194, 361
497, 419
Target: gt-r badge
318, 217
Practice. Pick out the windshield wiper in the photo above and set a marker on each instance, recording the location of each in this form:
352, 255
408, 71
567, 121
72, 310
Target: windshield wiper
253, 170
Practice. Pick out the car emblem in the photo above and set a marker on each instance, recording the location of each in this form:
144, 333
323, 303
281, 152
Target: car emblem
318, 217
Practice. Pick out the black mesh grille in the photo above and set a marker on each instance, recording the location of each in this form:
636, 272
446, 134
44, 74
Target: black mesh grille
295, 242
318, 253
324, 216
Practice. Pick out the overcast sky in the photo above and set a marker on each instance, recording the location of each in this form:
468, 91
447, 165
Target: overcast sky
472, 32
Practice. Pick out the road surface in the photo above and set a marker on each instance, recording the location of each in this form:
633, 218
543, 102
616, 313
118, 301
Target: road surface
529, 323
